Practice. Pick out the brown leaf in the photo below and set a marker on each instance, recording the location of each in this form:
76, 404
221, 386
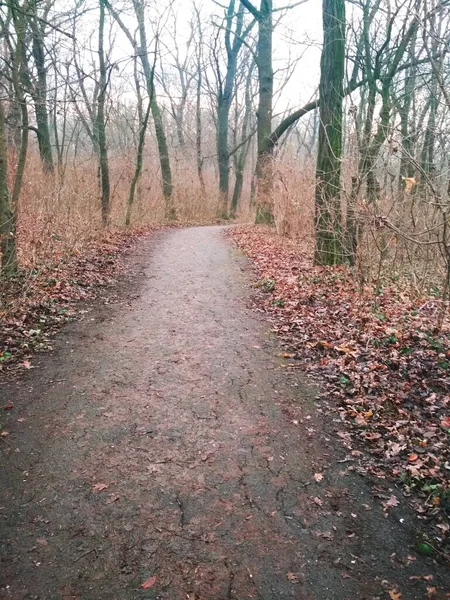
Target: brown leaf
99, 487
317, 501
360, 420
392, 502
445, 423
293, 578
412, 457
112, 498
149, 583
395, 594
318, 477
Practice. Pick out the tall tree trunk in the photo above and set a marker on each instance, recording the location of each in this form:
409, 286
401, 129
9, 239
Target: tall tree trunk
7, 217
101, 120
138, 168
161, 140
240, 156
264, 163
329, 242
225, 99
407, 117
198, 130
428, 147
18, 76
40, 94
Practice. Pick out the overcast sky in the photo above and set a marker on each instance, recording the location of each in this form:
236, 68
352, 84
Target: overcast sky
297, 34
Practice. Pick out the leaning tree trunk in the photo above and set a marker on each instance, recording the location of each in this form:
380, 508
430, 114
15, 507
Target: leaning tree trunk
139, 162
329, 241
161, 140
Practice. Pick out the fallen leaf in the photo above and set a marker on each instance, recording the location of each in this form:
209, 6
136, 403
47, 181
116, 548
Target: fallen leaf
99, 487
360, 420
42, 542
149, 583
395, 594
112, 498
317, 501
445, 423
392, 502
318, 477
412, 457
293, 578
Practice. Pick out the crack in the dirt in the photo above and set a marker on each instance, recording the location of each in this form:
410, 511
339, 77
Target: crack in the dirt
181, 507
203, 418
230, 584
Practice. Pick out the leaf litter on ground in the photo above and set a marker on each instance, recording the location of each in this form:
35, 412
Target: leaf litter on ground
38, 301
378, 361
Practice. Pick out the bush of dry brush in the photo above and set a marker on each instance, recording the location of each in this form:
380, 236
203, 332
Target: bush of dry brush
61, 215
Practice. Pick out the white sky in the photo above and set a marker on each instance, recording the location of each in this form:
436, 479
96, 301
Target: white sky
298, 34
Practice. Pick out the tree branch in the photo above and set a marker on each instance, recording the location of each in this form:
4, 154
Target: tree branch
252, 9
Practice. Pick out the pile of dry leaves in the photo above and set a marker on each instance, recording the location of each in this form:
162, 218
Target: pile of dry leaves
35, 303
383, 367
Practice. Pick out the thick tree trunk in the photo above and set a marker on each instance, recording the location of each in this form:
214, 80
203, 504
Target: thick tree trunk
40, 96
18, 76
329, 241
223, 158
264, 164
224, 101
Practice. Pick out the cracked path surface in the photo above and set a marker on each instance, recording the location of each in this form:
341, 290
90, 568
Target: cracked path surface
165, 438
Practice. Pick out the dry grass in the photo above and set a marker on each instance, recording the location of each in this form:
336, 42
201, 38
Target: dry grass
60, 216
400, 238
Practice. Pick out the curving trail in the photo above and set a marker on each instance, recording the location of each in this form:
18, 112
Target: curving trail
164, 437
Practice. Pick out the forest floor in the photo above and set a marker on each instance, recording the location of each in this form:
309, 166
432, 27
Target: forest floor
166, 448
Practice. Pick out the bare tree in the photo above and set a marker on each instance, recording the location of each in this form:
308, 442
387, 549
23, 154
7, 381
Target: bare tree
329, 241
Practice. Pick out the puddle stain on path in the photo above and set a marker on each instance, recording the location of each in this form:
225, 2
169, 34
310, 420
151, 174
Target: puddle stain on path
163, 444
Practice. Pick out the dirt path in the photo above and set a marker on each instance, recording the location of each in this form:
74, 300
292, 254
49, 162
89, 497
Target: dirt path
164, 438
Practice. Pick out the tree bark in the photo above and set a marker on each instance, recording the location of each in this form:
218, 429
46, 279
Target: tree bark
264, 161
139, 162
39, 92
101, 121
198, 131
7, 216
329, 243
161, 139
